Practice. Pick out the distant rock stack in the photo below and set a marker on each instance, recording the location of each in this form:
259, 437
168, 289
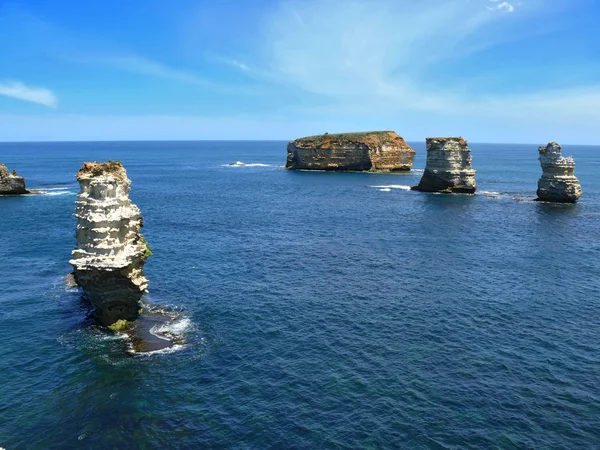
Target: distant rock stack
448, 168
110, 254
376, 151
558, 182
11, 183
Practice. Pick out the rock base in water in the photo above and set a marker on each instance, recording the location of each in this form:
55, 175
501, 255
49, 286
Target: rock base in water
448, 168
377, 151
11, 183
111, 252
558, 182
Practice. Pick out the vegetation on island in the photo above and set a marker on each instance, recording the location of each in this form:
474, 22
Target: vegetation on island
370, 138
147, 251
120, 325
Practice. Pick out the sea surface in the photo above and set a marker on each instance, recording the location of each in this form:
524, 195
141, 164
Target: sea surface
320, 310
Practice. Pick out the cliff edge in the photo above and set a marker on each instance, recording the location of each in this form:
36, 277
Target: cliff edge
378, 151
110, 253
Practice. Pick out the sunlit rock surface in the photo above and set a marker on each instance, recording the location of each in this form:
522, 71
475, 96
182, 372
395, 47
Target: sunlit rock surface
558, 182
111, 251
11, 183
378, 151
448, 168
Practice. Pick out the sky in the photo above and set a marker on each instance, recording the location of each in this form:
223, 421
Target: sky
514, 71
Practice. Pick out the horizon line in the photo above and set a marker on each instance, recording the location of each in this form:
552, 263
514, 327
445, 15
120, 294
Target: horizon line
244, 140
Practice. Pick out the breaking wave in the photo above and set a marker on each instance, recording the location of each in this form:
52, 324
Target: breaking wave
242, 164
389, 187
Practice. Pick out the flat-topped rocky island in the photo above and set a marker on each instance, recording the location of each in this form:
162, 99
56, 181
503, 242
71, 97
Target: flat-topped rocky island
375, 151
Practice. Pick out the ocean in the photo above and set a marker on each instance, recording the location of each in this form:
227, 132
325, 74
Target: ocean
320, 310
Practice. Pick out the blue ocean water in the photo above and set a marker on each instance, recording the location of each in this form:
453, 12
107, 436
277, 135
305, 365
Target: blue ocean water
321, 310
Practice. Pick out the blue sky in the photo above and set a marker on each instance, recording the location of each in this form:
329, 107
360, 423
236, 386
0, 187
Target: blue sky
490, 70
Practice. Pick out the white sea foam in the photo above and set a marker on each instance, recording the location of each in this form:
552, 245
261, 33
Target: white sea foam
177, 328
388, 187
242, 164
116, 336
47, 192
162, 351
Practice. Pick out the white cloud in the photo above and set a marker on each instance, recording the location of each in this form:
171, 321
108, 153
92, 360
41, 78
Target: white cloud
379, 58
19, 90
502, 6
374, 48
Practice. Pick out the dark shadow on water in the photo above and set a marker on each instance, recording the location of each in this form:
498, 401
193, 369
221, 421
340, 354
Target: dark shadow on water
448, 200
549, 210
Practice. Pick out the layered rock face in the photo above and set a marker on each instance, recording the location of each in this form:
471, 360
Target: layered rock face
110, 253
448, 167
11, 183
380, 151
558, 182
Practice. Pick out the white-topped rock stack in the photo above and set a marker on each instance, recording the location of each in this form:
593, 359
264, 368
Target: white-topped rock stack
448, 167
558, 182
111, 251
11, 183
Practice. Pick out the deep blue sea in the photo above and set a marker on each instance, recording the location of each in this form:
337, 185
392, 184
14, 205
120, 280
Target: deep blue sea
320, 310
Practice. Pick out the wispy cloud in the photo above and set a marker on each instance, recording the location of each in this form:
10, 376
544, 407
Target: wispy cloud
144, 66
385, 57
371, 48
20, 91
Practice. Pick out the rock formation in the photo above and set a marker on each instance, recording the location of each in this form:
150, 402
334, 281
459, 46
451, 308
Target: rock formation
558, 182
110, 253
11, 183
448, 168
378, 151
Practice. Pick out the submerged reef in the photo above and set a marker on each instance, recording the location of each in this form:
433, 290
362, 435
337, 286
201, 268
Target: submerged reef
448, 168
377, 151
110, 253
11, 183
558, 182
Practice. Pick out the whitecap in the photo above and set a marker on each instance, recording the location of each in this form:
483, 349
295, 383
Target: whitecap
242, 164
392, 186
162, 351
177, 327
58, 193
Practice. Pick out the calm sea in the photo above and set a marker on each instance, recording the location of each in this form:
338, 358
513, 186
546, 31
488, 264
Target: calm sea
321, 310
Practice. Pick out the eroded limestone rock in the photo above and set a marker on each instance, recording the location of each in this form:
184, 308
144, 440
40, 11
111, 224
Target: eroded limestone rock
448, 167
11, 183
111, 251
558, 182
378, 151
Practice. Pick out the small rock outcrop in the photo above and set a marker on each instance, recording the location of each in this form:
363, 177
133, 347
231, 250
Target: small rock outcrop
111, 252
558, 182
448, 168
11, 183
377, 151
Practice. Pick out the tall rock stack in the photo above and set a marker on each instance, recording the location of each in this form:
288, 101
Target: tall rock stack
111, 252
558, 182
11, 183
376, 151
448, 168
